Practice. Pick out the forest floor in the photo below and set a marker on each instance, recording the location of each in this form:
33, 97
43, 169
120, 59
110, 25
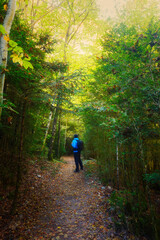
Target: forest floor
56, 203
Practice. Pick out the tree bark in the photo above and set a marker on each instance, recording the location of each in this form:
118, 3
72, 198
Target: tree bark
65, 136
59, 136
117, 160
53, 132
47, 129
4, 46
19, 163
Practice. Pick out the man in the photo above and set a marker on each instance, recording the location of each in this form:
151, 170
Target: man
77, 152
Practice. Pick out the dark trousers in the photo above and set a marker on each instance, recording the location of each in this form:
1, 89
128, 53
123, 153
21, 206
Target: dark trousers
78, 161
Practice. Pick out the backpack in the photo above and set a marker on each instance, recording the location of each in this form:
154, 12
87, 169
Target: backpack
80, 145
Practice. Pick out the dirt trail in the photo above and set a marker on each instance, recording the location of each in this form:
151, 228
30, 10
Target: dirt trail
80, 213
65, 206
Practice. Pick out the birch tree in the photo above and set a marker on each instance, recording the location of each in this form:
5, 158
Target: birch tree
4, 46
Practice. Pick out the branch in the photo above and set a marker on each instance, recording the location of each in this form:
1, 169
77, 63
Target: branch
74, 32
78, 28
52, 8
71, 10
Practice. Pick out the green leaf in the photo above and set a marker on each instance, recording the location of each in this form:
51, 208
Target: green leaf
12, 43
16, 58
18, 49
27, 59
2, 29
27, 64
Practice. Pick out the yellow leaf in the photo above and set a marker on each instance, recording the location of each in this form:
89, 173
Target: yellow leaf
6, 37
5, 7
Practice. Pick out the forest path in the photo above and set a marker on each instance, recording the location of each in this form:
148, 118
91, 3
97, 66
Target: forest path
57, 207
79, 203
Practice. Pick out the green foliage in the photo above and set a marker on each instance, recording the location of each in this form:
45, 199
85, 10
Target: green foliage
117, 98
17, 51
121, 111
46, 42
153, 178
2, 29
91, 168
25, 98
130, 211
58, 66
2, 10
129, 88
8, 105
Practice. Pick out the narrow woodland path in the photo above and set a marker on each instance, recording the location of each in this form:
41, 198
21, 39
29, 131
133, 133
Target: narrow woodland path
64, 206
78, 214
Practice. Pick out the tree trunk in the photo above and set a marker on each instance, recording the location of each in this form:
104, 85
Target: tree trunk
47, 129
59, 136
117, 160
53, 132
4, 46
65, 137
19, 163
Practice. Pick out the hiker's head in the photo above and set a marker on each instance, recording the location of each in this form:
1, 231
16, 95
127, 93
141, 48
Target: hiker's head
75, 135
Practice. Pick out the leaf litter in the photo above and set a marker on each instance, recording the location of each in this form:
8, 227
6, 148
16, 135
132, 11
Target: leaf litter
65, 205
